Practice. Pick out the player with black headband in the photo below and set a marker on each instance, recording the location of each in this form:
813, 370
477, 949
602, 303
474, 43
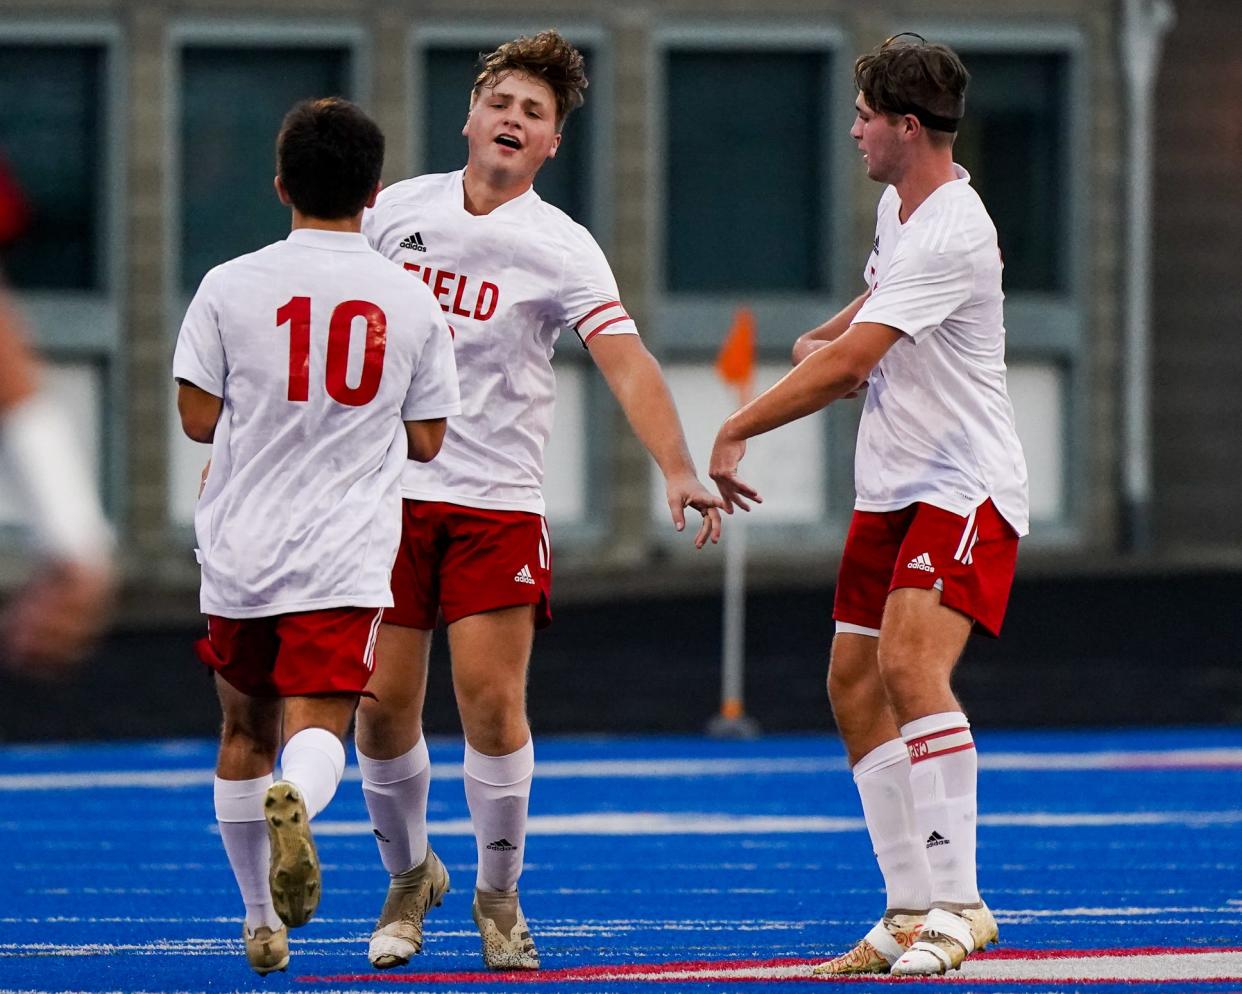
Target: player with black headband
941, 502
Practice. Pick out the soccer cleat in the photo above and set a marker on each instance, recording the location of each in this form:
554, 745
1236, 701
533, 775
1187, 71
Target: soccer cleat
946, 940
294, 874
398, 934
507, 944
267, 949
891, 936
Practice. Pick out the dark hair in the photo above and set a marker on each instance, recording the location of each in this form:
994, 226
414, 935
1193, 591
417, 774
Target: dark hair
546, 56
329, 155
907, 75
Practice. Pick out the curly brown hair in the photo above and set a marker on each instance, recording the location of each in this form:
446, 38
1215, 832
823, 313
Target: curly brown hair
546, 56
907, 75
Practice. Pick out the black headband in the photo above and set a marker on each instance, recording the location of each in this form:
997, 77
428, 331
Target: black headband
935, 121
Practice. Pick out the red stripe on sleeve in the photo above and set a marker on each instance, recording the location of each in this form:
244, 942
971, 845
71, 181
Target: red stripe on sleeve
623, 317
601, 307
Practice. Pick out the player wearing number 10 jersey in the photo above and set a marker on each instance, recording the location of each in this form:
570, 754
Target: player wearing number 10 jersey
299, 363
511, 272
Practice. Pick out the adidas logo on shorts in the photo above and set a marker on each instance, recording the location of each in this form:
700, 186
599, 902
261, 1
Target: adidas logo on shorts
921, 561
523, 576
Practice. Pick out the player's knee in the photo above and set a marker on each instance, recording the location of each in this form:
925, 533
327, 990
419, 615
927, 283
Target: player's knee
243, 739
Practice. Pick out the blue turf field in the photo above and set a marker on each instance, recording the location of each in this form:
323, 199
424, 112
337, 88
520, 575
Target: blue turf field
745, 861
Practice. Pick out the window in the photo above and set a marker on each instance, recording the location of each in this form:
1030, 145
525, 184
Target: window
746, 179
232, 102
449, 73
51, 135
1013, 143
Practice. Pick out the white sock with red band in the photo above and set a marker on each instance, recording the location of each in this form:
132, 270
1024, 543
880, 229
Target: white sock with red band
498, 794
396, 793
313, 761
943, 776
239, 814
883, 780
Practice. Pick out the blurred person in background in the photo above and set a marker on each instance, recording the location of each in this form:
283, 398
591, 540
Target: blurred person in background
300, 512
52, 621
511, 271
941, 503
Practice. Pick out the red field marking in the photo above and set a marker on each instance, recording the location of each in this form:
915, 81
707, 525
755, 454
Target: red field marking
798, 970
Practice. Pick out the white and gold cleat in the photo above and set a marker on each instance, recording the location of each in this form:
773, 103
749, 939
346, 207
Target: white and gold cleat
294, 873
267, 949
946, 940
876, 952
507, 943
398, 934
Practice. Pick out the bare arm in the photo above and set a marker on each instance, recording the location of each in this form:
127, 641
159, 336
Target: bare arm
199, 410
19, 371
635, 379
831, 372
52, 621
829, 331
425, 438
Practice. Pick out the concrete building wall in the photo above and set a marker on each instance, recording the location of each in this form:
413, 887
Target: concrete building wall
1197, 406
1194, 449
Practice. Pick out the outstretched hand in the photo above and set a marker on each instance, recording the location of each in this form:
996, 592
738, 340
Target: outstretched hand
686, 491
726, 455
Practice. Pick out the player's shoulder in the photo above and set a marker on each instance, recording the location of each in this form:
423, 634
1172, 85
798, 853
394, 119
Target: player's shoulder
561, 231
959, 220
241, 267
416, 189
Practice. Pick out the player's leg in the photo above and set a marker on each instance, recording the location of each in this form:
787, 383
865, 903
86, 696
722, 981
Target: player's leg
249, 739
324, 661
881, 769
396, 778
311, 765
920, 644
955, 572
392, 753
490, 654
877, 754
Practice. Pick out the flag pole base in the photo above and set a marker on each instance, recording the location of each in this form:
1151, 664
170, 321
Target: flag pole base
733, 723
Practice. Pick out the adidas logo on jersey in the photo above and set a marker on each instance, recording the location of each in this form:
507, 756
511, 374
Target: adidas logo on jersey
921, 561
523, 576
936, 839
414, 241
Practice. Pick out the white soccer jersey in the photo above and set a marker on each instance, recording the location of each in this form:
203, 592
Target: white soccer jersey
937, 425
319, 349
508, 281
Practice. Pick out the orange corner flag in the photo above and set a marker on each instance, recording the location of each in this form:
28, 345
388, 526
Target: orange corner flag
736, 360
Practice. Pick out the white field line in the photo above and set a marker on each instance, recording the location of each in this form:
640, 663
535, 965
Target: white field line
1183, 967
666, 768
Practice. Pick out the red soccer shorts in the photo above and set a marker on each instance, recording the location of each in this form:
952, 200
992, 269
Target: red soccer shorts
970, 559
294, 655
455, 561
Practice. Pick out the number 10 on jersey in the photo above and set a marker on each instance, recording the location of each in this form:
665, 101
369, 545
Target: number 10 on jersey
297, 314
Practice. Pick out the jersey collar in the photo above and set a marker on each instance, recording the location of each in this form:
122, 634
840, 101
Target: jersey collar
334, 241
509, 206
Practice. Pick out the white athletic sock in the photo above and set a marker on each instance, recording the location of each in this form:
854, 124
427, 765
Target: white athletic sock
239, 813
313, 760
396, 794
943, 776
883, 780
498, 792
